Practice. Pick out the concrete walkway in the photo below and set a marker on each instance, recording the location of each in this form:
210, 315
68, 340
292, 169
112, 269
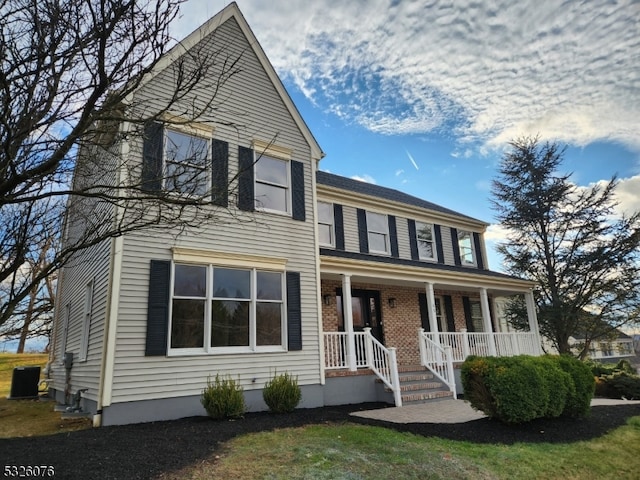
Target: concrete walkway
448, 411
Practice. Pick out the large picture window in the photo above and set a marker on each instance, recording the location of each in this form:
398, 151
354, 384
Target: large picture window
217, 308
378, 232
186, 159
426, 242
272, 184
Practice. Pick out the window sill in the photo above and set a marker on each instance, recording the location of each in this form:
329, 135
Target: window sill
273, 212
190, 352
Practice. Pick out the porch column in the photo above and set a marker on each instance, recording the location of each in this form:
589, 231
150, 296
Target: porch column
431, 307
347, 314
486, 320
533, 319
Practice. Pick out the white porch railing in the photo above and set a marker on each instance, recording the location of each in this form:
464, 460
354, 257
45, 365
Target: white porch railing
438, 360
369, 353
507, 344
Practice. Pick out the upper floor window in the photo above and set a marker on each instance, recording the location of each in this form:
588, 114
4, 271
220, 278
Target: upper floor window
426, 242
378, 232
186, 160
223, 308
465, 244
326, 232
272, 184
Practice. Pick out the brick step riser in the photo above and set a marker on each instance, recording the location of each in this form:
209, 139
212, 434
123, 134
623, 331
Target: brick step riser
424, 397
422, 386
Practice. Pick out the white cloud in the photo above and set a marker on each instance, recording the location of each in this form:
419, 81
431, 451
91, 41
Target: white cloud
413, 162
568, 71
399, 172
496, 233
364, 178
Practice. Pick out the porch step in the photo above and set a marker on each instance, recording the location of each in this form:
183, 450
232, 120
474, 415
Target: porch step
418, 385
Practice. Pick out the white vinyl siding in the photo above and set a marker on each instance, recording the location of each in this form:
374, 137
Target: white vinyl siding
350, 219
251, 101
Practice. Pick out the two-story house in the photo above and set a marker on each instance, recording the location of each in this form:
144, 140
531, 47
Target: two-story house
318, 275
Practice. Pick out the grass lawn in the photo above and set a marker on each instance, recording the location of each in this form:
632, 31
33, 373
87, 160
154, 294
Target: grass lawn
25, 418
365, 452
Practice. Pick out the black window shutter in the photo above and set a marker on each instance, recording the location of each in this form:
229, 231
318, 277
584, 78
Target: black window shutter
152, 157
393, 236
363, 233
158, 308
438, 240
294, 312
424, 311
246, 196
219, 173
456, 246
413, 240
448, 311
338, 224
478, 249
297, 191
466, 303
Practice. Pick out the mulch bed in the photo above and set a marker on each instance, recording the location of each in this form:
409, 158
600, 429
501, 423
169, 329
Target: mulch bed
145, 451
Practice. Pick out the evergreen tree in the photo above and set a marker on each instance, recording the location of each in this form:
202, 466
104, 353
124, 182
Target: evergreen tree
566, 238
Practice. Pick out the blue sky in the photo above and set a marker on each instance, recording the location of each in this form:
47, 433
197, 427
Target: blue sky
423, 96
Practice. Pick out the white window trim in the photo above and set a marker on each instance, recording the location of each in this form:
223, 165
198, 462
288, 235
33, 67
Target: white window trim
331, 225
385, 233
186, 129
473, 250
207, 349
257, 204
433, 241
65, 331
86, 321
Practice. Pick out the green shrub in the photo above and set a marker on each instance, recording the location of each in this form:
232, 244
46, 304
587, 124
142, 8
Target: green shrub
598, 368
223, 398
579, 399
618, 385
520, 389
282, 393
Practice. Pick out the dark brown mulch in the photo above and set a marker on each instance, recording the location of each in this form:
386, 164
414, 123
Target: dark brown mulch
145, 451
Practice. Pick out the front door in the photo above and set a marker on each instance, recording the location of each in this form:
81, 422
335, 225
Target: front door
365, 308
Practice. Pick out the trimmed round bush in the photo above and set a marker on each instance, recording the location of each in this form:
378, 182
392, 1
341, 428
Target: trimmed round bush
520, 389
579, 399
223, 398
282, 393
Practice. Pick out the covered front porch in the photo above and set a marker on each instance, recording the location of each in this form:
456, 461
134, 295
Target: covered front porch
406, 318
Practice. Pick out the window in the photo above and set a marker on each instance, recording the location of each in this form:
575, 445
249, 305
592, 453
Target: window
65, 330
476, 316
426, 242
272, 184
86, 321
465, 244
378, 232
442, 322
217, 308
186, 160
326, 233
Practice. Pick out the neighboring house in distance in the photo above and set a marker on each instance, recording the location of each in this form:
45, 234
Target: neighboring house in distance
336, 281
613, 348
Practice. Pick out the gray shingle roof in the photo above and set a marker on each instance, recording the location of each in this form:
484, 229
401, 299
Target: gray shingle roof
344, 183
